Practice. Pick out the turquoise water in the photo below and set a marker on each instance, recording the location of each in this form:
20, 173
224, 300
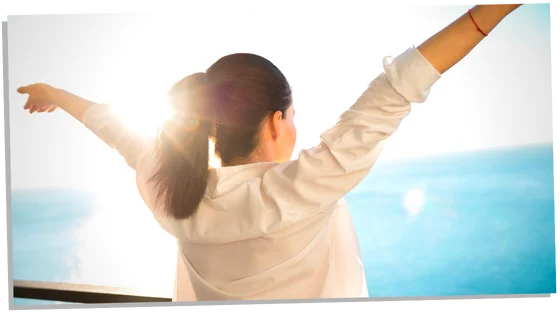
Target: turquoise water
485, 226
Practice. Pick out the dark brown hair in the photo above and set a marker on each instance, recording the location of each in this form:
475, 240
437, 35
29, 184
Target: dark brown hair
227, 104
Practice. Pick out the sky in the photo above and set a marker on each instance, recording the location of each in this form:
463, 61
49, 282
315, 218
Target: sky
499, 95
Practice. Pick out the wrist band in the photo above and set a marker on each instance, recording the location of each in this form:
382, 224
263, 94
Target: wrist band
474, 22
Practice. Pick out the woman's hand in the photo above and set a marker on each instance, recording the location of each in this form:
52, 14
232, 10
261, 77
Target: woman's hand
45, 98
42, 98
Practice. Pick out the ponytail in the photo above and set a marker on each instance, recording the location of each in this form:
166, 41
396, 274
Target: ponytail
182, 151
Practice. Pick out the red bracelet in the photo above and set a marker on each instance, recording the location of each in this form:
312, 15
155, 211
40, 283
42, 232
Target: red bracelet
478, 28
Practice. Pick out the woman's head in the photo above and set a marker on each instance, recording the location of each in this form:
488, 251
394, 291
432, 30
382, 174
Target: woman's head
243, 103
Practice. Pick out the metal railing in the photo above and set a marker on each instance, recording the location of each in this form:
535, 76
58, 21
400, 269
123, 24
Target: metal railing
80, 293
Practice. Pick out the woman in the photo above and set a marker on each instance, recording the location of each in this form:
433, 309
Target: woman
262, 226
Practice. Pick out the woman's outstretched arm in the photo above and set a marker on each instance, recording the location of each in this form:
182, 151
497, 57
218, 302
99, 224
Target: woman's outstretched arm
99, 118
324, 174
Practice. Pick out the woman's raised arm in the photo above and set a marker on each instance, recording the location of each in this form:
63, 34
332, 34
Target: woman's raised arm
324, 174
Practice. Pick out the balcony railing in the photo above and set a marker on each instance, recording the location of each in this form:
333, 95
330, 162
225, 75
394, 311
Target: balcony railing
79, 293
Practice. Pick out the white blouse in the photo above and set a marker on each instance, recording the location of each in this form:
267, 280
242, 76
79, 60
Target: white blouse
281, 230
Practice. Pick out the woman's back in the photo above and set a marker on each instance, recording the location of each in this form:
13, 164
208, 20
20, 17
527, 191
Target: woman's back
243, 244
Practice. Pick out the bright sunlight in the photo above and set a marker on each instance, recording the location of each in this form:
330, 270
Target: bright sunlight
147, 118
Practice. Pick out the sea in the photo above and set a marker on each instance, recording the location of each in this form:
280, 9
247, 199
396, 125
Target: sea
469, 223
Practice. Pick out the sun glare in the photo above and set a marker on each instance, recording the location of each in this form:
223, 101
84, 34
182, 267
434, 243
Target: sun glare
132, 251
414, 201
146, 120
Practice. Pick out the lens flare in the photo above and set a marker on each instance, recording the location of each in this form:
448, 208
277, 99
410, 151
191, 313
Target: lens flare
414, 201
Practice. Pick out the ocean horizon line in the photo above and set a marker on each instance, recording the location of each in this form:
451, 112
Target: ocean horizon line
515, 147
381, 162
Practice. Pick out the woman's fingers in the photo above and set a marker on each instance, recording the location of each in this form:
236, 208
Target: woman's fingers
22, 90
46, 109
40, 109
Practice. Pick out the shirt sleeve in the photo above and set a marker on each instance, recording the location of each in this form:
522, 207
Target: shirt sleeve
137, 150
324, 174
106, 125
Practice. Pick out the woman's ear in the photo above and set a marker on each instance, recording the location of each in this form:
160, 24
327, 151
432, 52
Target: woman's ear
277, 124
